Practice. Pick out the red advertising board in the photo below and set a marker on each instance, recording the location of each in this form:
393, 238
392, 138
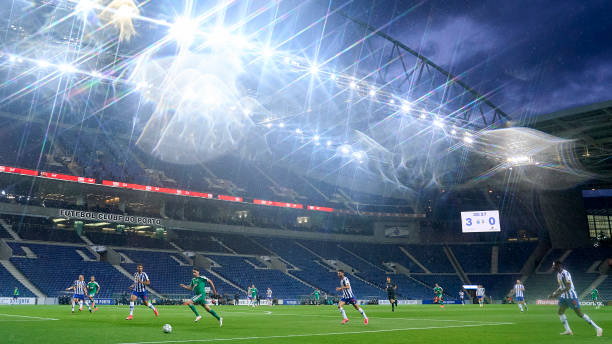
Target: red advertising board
230, 198
16, 170
278, 204
68, 177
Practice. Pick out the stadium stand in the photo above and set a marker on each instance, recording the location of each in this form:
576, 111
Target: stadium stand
473, 258
8, 284
42, 271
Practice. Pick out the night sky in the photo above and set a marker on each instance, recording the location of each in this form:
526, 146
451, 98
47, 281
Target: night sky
540, 56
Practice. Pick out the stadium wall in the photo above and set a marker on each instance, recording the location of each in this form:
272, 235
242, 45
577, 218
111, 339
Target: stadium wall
17, 209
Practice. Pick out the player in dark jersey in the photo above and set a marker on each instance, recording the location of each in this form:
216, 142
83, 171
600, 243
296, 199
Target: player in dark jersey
391, 288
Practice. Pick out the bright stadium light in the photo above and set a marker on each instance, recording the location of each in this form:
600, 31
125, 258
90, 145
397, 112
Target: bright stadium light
267, 52
406, 106
85, 6
453, 131
519, 159
468, 139
353, 85
281, 125
96, 74
372, 92
359, 155
183, 30
329, 143
314, 69
392, 101
298, 131
344, 149
316, 137
12, 58
423, 116
438, 123
66, 68
333, 76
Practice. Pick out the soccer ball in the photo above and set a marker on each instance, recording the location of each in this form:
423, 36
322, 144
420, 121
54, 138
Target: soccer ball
167, 328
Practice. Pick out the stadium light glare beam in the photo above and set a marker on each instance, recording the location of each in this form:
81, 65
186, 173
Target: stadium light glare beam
468, 139
43, 63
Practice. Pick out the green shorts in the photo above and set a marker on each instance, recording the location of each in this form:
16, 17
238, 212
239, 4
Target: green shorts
199, 299
91, 295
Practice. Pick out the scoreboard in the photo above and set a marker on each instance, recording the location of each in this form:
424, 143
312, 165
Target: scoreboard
480, 221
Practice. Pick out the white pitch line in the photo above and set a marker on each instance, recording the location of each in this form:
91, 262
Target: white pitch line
316, 334
26, 316
394, 318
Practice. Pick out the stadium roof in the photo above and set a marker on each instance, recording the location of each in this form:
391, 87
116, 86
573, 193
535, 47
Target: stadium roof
591, 126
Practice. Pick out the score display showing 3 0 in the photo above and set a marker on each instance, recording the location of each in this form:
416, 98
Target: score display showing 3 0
480, 221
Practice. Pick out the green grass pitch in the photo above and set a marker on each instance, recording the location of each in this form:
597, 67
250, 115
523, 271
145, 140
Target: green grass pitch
300, 324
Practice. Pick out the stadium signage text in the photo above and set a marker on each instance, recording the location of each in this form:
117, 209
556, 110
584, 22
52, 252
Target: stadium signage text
108, 217
18, 301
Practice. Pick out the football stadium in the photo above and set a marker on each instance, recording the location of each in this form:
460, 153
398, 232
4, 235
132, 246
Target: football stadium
305, 171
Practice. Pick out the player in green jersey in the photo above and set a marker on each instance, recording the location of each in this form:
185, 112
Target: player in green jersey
439, 295
595, 297
198, 286
317, 296
253, 294
92, 289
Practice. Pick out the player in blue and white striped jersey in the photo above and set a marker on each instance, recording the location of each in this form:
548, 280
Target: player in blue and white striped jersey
79, 286
568, 298
480, 295
139, 290
519, 295
348, 298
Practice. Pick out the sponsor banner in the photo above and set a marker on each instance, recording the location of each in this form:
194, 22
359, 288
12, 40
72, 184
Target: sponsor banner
278, 204
68, 177
446, 302
19, 301
591, 303
547, 302
16, 170
314, 207
401, 302
108, 217
104, 302
288, 302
